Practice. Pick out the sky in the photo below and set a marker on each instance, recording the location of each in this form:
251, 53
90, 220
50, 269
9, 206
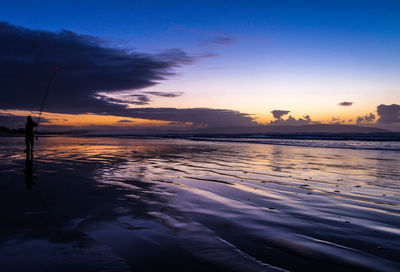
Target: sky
201, 63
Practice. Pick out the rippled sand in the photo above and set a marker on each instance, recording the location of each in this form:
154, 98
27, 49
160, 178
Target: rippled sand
114, 204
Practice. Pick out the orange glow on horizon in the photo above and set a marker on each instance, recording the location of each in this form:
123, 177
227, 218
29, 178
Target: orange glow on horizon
81, 120
84, 120
265, 119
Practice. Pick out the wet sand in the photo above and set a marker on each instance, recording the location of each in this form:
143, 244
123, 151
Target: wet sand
116, 204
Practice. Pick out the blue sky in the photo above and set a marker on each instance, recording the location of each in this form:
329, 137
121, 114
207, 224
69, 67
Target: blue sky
302, 56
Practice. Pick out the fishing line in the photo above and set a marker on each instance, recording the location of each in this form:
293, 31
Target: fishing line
45, 98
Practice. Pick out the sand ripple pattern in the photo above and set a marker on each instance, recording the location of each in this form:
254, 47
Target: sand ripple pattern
256, 207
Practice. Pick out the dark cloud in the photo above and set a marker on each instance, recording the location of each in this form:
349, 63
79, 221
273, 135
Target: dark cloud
29, 57
125, 121
388, 114
345, 104
165, 94
291, 121
366, 119
90, 77
279, 113
197, 116
222, 40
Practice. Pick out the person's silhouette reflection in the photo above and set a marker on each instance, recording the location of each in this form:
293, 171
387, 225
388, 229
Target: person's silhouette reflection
28, 171
29, 135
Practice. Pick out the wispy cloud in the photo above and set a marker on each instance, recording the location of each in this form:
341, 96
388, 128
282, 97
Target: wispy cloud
336, 121
166, 94
291, 121
366, 119
220, 40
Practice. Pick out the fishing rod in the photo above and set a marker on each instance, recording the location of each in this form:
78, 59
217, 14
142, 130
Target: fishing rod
45, 98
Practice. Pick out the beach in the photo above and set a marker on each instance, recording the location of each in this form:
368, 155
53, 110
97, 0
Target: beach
150, 204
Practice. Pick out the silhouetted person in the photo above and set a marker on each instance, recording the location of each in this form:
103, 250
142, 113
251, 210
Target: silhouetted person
28, 171
29, 135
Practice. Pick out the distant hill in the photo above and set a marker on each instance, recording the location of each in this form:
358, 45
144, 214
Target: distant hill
4, 131
266, 129
320, 128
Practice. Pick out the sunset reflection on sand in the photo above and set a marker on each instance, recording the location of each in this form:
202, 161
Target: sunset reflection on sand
231, 206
